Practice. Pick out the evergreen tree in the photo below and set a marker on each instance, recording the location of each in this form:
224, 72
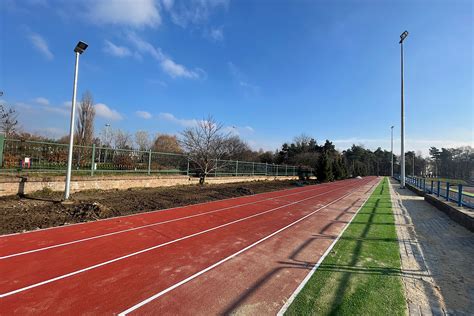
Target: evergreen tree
324, 171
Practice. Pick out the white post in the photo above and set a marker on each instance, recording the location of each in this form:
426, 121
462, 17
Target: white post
402, 127
71, 130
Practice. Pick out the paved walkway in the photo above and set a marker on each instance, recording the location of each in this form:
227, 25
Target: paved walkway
437, 257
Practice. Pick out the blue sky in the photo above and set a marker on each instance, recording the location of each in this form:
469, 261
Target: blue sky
270, 69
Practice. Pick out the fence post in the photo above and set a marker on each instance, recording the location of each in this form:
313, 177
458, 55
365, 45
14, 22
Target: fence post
459, 194
424, 184
266, 169
149, 162
187, 170
286, 170
432, 187
447, 191
236, 168
253, 168
2, 142
215, 172
439, 184
93, 160
277, 170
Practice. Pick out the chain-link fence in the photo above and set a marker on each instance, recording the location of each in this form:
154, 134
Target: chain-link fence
36, 156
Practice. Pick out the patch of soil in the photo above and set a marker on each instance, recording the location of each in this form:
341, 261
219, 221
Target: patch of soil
44, 208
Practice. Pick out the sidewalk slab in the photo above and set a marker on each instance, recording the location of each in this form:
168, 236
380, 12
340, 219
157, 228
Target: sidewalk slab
437, 257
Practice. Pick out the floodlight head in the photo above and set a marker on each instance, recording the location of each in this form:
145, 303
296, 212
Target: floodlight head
80, 47
403, 36
392, 126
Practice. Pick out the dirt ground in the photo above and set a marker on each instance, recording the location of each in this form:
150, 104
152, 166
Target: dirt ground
44, 208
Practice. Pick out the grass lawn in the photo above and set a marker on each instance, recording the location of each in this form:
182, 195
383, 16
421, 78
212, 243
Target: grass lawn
361, 275
451, 181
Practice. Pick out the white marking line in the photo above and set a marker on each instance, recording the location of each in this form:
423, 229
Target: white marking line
316, 266
162, 210
154, 247
151, 298
145, 226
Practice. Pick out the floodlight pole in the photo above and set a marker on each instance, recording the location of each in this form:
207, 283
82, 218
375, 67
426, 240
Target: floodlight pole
402, 127
391, 152
71, 130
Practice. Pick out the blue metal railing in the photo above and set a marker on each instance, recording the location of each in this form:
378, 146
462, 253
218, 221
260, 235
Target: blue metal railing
461, 194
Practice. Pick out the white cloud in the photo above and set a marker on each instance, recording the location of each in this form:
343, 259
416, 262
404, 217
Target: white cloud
143, 114
248, 88
42, 101
40, 44
168, 4
136, 13
104, 111
176, 70
168, 65
115, 50
195, 12
182, 122
215, 34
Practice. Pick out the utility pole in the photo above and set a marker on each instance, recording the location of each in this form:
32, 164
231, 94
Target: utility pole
391, 151
79, 49
402, 128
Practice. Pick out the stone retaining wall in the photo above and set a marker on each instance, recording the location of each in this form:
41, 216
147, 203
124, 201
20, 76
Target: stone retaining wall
15, 185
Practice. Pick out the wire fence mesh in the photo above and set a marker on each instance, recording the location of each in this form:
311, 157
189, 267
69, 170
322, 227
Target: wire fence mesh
36, 156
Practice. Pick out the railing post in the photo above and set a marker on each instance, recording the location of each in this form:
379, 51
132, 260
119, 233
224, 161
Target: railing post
439, 184
187, 169
432, 187
236, 168
447, 191
424, 184
2, 142
149, 162
459, 194
93, 160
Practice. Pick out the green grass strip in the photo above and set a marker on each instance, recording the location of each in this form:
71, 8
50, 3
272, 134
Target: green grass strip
361, 275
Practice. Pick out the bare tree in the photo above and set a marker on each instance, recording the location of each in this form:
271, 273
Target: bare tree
85, 120
122, 139
205, 144
142, 139
167, 144
8, 120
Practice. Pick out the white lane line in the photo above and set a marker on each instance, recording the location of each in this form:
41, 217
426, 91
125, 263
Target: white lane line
316, 266
154, 247
144, 226
162, 210
151, 298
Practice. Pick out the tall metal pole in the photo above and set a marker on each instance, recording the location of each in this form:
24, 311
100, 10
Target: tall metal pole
71, 130
402, 127
391, 151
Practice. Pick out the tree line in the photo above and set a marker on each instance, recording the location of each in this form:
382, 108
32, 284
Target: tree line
208, 141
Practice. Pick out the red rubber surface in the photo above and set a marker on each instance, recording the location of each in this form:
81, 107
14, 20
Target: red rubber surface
206, 233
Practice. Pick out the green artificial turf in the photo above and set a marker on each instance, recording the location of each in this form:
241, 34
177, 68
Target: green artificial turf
361, 275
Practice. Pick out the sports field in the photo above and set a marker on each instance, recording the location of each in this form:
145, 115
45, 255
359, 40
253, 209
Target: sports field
245, 254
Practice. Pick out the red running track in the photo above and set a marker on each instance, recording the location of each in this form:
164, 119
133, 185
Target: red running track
123, 264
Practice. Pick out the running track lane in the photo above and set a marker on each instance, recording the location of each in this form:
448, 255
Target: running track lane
189, 245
